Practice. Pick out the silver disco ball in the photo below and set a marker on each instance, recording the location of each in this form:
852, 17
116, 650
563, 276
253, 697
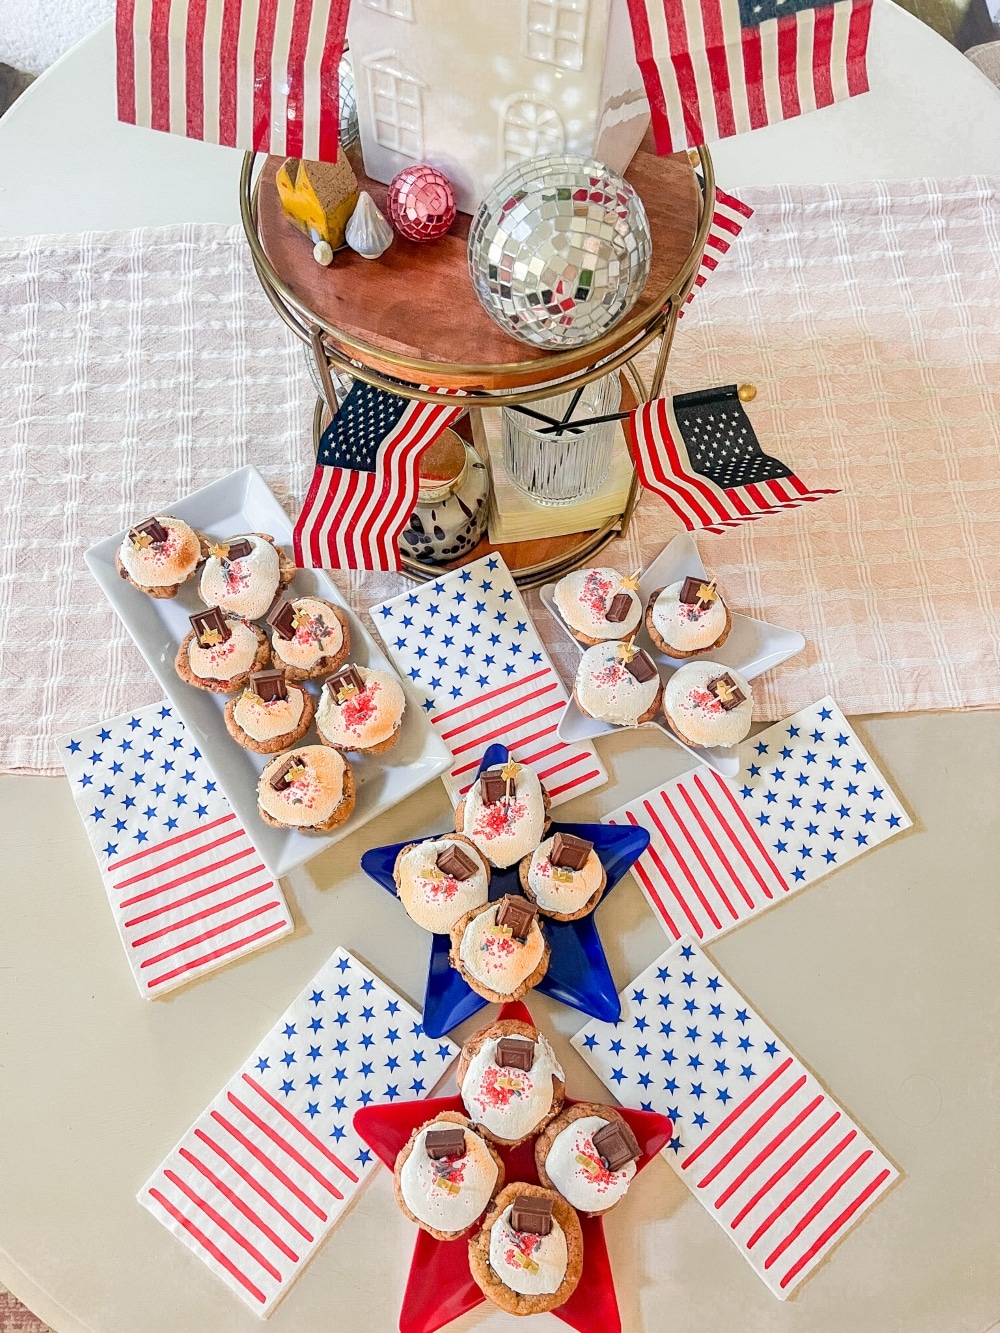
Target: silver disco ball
559, 250
348, 122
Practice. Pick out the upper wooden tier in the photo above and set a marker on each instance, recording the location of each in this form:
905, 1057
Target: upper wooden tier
416, 302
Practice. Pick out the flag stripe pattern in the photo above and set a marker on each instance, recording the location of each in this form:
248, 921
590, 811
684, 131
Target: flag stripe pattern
756, 1138
467, 646
262, 77
728, 220
716, 68
188, 888
265, 1172
809, 798
664, 467
351, 518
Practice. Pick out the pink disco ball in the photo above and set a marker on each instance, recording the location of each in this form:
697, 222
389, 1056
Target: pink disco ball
421, 203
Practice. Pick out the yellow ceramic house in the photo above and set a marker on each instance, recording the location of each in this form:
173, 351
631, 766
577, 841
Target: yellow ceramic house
318, 197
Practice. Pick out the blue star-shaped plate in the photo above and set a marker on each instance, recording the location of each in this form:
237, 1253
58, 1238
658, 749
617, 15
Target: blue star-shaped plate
578, 973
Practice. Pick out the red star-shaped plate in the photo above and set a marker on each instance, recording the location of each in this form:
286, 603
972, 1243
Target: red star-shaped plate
440, 1286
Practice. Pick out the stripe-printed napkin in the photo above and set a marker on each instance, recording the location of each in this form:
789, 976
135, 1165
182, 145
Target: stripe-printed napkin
757, 1139
273, 1163
809, 798
467, 646
188, 889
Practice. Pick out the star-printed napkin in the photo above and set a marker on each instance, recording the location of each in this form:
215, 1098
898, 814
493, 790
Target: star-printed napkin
467, 646
272, 1164
809, 798
757, 1139
188, 889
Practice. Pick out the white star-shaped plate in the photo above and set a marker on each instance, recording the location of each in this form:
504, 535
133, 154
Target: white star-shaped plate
753, 647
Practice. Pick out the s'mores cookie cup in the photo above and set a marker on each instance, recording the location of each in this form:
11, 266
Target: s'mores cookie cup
564, 877
510, 1081
242, 574
446, 1175
599, 604
505, 813
361, 709
687, 618
159, 555
439, 880
588, 1154
270, 715
528, 1256
221, 652
706, 704
311, 788
618, 683
499, 950
310, 637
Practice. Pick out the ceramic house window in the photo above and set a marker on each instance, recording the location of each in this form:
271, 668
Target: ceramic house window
530, 128
399, 9
394, 94
554, 31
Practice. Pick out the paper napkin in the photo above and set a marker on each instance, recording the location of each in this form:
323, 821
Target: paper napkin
809, 799
757, 1139
188, 889
272, 1164
468, 648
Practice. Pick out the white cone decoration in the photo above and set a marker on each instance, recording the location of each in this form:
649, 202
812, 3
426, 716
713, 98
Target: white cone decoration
368, 233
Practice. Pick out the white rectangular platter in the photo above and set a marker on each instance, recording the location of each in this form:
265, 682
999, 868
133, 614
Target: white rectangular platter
753, 647
243, 502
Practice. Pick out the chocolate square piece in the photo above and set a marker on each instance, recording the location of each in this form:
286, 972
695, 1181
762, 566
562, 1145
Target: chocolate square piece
238, 549
616, 1144
449, 1141
640, 667
570, 851
345, 684
210, 627
517, 915
284, 776
456, 863
269, 685
532, 1214
697, 592
281, 618
149, 527
492, 786
621, 605
514, 1053
726, 691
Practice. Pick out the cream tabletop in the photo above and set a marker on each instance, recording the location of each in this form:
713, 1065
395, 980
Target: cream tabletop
882, 977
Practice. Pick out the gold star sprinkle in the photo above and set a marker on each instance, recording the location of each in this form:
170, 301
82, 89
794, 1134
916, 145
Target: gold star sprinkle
626, 651
219, 550
723, 691
141, 540
347, 692
510, 771
630, 582
295, 772
707, 593
300, 619
562, 875
210, 638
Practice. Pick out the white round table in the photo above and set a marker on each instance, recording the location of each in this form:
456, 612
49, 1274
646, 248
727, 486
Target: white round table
883, 978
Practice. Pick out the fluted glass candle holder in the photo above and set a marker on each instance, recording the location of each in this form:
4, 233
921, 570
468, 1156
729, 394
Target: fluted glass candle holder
562, 469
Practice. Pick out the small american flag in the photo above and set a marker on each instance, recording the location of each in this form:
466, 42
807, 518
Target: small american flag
699, 453
265, 1172
809, 799
466, 645
364, 486
188, 889
258, 76
715, 68
757, 1139
728, 220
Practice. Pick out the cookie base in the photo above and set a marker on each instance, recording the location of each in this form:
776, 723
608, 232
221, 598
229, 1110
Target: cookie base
182, 665
585, 910
506, 1027
445, 1118
326, 665
545, 1140
660, 643
341, 812
278, 742
381, 748
497, 1291
647, 716
495, 997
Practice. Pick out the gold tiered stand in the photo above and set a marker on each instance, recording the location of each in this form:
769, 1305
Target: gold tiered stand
410, 322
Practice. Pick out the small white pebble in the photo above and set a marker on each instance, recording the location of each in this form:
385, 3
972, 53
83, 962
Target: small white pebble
323, 253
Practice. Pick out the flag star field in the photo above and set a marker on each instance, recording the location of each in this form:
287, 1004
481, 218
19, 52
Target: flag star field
756, 1138
265, 1172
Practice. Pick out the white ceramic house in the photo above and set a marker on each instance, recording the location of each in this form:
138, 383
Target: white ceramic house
475, 86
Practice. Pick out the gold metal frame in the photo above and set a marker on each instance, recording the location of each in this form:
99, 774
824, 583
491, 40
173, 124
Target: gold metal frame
616, 350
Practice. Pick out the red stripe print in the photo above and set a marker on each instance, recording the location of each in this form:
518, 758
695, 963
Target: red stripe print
194, 897
644, 879
680, 863
825, 1236
179, 860
752, 1132
208, 1245
215, 1216
186, 879
304, 1130
567, 786
281, 1142
268, 1165
766, 1151
194, 69
735, 1114
239, 1204
801, 1187
784, 1169
479, 718
481, 699
200, 916
208, 934
125, 37
215, 954
504, 729
817, 1207
170, 842
260, 1190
